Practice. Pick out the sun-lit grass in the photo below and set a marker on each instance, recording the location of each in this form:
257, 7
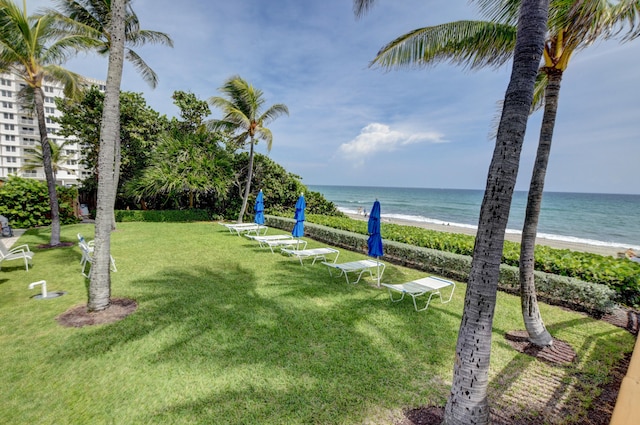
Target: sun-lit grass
229, 333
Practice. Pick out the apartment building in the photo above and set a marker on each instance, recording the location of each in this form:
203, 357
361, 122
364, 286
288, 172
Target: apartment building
19, 133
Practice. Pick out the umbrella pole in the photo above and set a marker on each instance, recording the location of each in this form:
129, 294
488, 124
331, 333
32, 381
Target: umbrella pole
378, 272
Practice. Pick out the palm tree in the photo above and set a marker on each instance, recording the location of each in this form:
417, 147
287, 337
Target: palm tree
92, 17
35, 159
573, 25
467, 403
243, 114
100, 284
32, 48
184, 164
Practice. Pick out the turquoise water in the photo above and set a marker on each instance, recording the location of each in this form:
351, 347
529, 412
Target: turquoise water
593, 218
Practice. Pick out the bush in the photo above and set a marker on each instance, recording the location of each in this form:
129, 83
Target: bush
25, 203
578, 295
163, 216
621, 275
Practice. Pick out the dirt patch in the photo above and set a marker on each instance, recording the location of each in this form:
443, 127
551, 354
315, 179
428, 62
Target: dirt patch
558, 353
79, 316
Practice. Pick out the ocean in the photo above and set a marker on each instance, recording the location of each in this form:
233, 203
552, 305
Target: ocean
589, 218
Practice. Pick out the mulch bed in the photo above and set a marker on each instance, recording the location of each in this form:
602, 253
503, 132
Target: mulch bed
79, 316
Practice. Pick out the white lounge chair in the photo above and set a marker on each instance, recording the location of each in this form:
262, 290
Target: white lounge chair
315, 253
431, 285
245, 228
21, 252
296, 244
357, 267
261, 239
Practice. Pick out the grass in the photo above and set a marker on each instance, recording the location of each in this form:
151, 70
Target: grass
229, 333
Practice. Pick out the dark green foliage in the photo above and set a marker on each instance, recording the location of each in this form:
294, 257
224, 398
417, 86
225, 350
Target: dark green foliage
619, 274
164, 216
25, 202
573, 293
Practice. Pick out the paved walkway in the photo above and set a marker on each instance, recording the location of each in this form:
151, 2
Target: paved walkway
9, 241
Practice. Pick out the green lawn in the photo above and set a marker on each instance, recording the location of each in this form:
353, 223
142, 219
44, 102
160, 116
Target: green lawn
229, 333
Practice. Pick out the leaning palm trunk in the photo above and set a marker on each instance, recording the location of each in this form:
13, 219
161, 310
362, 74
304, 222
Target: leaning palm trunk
467, 403
247, 188
538, 334
100, 285
48, 168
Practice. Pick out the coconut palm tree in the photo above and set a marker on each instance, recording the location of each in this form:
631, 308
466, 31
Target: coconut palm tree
100, 283
35, 159
92, 17
467, 403
32, 48
243, 114
573, 25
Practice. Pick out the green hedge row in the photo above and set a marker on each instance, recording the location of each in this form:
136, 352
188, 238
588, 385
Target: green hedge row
620, 274
591, 297
161, 216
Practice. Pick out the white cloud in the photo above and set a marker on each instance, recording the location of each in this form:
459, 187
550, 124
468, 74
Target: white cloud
377, 137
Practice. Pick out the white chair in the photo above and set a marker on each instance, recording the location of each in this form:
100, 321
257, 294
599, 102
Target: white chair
87, 256
357, 267
315, 253
21, 252
245, 228
428, 285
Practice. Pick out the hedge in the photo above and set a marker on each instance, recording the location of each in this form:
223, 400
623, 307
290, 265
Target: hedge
593, 298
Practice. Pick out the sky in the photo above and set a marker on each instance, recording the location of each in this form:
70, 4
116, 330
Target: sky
352, 124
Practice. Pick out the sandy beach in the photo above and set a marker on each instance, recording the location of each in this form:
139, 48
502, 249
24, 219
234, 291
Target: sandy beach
574, 246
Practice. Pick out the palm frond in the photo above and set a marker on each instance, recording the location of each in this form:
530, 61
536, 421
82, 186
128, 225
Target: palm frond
360, 7
143, 69
473, 44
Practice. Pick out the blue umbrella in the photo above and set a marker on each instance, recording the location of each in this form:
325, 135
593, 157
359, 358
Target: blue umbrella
298, 229
259, 209
375, 240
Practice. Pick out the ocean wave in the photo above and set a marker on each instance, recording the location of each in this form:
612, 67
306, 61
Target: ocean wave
561, 238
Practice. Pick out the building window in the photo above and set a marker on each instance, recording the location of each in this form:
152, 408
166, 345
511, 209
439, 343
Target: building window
72, 162
9, 127
69, 152
8, 116
9, 138
49, 110
48, 99
10, 159
51, 130
10, 148
26, 120
27, 129
7, 105
6, 93
30, 172
5, 82
48, 89
12, 170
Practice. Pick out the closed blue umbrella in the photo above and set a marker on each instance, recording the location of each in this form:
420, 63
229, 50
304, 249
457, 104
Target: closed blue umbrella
375, 239
298, 228
259, 209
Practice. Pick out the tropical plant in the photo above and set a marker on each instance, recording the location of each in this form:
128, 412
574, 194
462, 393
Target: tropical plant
244, 115
32, 49
93, 16
35, 159
467, 401
184, 164
573, 25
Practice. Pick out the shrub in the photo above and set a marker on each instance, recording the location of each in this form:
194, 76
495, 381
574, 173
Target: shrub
163, 215
25, 203
591, 297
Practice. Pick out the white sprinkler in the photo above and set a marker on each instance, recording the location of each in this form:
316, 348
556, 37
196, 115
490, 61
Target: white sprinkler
44, 294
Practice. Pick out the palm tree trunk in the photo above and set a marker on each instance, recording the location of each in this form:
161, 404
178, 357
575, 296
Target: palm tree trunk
100, 285
538, 333
48, 168
247, 188
467, 403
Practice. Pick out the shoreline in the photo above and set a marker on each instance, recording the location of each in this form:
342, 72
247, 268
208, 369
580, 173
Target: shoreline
553, 243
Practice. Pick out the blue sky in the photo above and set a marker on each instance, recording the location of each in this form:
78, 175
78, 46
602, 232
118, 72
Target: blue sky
354, 125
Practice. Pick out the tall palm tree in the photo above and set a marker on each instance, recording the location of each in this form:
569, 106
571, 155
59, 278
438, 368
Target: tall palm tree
35, 159
573, 25
100, 284
467, 403
32, 48
244, 115
93, 16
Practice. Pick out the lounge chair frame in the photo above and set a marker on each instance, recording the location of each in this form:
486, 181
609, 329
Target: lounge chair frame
356, 267
315, 253
21, 252
431, 285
